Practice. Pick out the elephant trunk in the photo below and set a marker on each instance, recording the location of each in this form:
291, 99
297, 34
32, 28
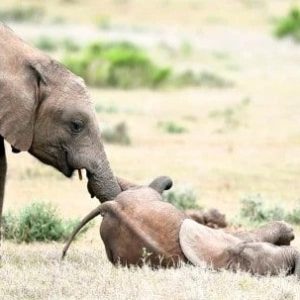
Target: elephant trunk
101, 181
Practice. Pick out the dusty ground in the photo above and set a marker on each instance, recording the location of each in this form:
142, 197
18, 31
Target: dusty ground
232, 39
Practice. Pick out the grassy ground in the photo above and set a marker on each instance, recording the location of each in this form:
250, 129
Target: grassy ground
223, 162
35, 272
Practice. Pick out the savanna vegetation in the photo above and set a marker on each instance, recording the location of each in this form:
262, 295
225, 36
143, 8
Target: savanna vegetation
205, 95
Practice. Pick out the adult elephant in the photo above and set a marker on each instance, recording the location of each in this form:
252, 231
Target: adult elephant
46, 110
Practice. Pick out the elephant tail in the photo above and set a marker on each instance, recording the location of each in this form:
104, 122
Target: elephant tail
93, 214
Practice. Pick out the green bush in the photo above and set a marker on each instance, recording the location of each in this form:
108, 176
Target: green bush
182, 198
37, 222
121, 65
289, 25
254, 210
117, 134
22, 13
171, 127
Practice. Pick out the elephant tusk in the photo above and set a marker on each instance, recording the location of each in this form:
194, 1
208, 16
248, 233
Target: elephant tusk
79, 174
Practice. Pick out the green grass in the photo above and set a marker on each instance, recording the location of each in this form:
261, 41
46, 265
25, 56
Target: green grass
289, 25
37, 221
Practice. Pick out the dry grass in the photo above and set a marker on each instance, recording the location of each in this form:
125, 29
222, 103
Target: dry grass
35, 272
260, 156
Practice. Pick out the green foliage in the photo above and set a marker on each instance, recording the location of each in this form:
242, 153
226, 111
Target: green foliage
38, 221
117, 134
289, 25
182, 198
22, 13
171, 127
231, 117
254, 210
121, 65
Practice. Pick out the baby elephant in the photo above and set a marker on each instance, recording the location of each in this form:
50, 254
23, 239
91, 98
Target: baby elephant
138, 227
211, 218
203, 245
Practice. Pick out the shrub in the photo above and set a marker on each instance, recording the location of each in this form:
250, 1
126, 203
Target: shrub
182, 198
171, 127
37, 222
117, 134
254, 210
120, 65
289, 25
22, 13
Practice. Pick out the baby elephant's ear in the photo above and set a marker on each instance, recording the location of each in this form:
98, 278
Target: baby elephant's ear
161, 184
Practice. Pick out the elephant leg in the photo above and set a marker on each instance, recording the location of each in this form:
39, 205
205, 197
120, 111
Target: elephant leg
3, 169
277, 233
297, 267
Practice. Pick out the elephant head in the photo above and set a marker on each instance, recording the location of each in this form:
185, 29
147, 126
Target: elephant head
46, 110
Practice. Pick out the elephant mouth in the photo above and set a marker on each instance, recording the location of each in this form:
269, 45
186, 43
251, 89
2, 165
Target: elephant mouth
65, 167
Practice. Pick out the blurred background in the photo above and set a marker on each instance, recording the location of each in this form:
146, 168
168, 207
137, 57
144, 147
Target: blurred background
206, 92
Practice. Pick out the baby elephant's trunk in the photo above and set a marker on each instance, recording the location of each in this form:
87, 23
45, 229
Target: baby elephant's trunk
93, 214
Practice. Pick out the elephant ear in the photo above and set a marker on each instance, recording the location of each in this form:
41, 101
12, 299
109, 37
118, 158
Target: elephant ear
161, 184
21, 92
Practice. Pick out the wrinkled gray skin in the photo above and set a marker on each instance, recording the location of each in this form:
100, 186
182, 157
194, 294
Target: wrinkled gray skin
206, 246
46, 110
264, 259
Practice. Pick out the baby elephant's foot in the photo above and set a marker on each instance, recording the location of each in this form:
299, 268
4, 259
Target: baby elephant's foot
285, 233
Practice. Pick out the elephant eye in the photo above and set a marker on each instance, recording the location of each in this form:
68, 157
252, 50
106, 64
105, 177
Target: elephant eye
77, 126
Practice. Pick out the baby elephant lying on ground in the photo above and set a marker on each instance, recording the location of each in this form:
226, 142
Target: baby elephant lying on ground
139, 227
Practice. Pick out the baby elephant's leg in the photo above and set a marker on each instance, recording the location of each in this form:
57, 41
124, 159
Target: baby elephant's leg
277, 233
263, 258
